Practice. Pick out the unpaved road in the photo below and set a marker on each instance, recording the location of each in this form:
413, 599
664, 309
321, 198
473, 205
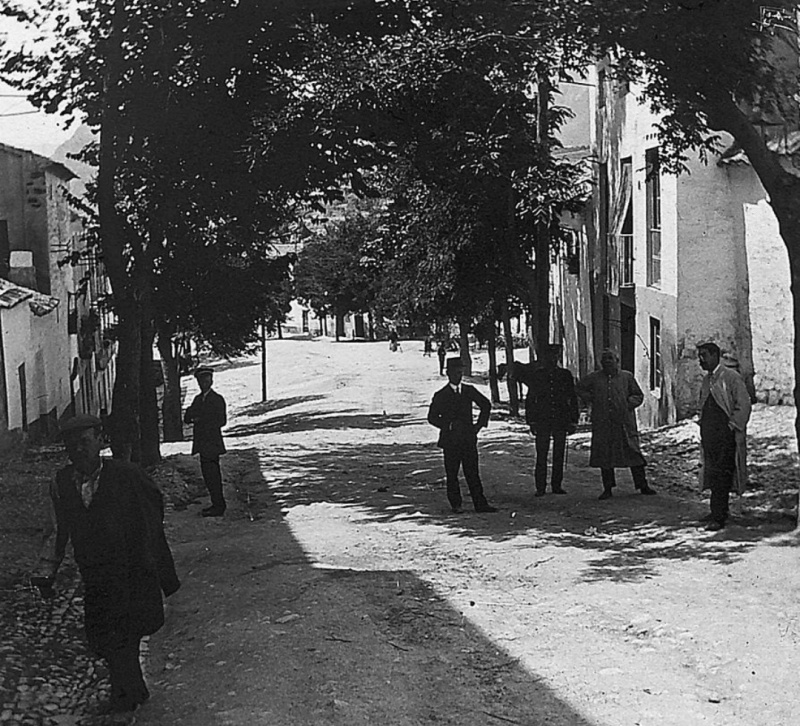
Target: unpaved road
339, 589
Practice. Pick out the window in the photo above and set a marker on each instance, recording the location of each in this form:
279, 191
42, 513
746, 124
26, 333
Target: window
625, 243
656, 369
653, 210
601, 88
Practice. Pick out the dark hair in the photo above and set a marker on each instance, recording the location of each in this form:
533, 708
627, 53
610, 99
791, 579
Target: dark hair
712, 348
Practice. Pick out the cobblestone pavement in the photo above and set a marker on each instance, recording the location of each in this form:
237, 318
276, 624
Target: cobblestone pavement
49, 678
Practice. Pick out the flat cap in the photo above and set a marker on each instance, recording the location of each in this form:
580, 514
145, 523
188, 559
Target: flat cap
81, 422
203, 371
454, 363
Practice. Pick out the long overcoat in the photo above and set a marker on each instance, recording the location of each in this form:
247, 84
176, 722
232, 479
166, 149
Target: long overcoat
207, 415
728, 389
615, 435
120, 548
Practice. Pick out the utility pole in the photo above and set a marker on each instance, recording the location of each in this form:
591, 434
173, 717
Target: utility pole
263, 361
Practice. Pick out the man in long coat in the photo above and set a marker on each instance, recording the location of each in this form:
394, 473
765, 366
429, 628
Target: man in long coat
112, 512
614, 395
551, 411
451, 412
724, 413
208, 415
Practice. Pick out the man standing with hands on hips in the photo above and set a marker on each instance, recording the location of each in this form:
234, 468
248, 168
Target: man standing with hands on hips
207, 414
451, 412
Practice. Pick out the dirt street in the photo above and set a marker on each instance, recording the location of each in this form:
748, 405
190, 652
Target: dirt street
340, 589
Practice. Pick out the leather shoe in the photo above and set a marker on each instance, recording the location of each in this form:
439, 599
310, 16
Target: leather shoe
606, 494
486, 508
558, 490
213, 512
647, 490
714, 526
539, 493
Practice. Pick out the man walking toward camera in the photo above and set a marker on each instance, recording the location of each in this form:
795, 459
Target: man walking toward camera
451, 412
112, 512
208, 415
724, 413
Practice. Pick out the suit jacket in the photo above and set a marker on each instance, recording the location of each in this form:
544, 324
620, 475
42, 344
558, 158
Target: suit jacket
451, 413
121, 551
551, 400
208, 417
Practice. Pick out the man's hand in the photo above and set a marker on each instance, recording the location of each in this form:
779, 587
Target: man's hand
476, 428
45, 587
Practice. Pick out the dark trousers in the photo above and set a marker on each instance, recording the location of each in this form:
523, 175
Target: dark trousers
212, 476
457, 456
128, 688
543, 435
441, 365
719, 453
638, 473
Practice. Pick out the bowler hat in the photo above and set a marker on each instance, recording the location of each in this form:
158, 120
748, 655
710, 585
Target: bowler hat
454, 363
81, 422
203, 371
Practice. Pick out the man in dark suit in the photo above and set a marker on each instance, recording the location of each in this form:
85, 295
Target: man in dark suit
451, 412
113, 514
551, 410
207, 414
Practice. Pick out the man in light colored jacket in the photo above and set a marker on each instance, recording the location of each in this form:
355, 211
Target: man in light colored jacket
724, 413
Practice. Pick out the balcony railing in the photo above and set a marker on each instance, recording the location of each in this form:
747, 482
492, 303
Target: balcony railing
625, 247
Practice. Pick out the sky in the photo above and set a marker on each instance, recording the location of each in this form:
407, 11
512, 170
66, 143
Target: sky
21, 125
25, 128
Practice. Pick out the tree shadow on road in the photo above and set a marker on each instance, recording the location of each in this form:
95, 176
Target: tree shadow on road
632, 537
294, 422
259, 409
260, 633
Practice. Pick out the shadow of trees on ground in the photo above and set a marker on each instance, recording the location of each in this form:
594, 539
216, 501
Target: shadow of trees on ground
365, 646
630, 537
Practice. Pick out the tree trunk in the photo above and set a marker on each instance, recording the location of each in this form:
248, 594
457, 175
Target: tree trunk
124, 419
280, 331
463, 341
171, 412
491, 347
513, 390
541, 327
149, 451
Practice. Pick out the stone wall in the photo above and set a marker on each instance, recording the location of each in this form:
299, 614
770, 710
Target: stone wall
770, 306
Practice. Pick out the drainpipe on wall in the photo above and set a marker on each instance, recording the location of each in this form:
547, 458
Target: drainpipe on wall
3, 384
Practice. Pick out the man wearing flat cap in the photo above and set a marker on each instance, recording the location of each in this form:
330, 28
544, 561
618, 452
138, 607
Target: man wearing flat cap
207, 414
451, 412
113, 513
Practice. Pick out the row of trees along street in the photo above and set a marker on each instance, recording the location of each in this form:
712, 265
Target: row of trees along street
223, 127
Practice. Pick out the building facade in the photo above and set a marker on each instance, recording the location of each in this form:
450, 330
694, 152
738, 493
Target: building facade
55, 355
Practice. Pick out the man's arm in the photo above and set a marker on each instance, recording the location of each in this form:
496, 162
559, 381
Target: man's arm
435, 412
572, 398
584, 389
741, 403
485, 406
188, 417
217, 411
635, 395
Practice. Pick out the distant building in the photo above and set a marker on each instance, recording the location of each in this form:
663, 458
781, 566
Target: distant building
55, 357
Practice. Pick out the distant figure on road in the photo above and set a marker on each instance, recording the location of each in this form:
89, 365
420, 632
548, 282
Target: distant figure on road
451, 412
207, 414
394, 341
551, 411
614, 395
112, 512
428, 349
724, 413
441, 352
